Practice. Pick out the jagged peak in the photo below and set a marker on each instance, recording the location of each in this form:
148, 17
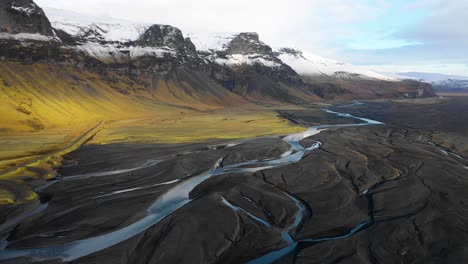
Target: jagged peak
247, 43
166, 36
249, 36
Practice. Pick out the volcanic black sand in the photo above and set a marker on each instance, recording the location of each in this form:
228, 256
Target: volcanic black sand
405, 182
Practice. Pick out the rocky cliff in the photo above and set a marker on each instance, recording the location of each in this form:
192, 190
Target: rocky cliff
166, 36
23, 16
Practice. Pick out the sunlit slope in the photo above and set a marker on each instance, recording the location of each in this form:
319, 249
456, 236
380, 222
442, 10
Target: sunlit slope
191, 89
45, 107
41, 96
44, 96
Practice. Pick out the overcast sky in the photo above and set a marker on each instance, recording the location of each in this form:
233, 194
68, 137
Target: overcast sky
387, 35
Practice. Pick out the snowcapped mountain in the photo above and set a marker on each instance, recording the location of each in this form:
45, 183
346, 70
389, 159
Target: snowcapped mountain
240, 63
431, 77
236, 49
301, 62
441, 82
452, 84
110, 39
313, 65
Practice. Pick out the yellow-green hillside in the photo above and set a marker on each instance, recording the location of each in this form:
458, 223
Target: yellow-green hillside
47, 111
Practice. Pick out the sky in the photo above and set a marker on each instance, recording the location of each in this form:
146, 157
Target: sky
385, 35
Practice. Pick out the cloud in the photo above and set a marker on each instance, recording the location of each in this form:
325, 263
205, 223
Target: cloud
435, 42
445, 23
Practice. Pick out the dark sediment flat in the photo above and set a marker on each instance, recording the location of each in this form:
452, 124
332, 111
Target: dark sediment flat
443, 115
417, 189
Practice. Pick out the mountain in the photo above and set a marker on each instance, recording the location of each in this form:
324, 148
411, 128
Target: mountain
316, 66
432, 77
440, 82
144, 65
227, 51
328, 78
340, 76
451, 85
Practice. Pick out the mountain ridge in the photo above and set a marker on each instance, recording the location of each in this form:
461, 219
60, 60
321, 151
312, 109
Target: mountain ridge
244, 65
441, 82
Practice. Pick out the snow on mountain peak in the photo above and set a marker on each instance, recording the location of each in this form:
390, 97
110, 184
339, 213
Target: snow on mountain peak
306, 63
93, 27
235, 48
30, 8
211, 41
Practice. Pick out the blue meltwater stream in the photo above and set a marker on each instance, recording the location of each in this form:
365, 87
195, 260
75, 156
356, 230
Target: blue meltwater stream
179, 195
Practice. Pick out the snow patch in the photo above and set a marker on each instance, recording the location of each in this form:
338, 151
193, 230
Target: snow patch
27, 36
29, 9
211, 41
108, 51
95, 28
251, 59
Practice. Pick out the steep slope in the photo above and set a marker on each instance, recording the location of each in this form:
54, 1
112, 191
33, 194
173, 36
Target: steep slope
34, 97
46, 96
248, 67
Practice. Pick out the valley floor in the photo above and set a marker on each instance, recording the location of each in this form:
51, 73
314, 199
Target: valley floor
392, 193
185, 126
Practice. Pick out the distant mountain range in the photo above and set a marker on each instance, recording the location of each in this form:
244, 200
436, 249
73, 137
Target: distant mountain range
440, 82
175, 67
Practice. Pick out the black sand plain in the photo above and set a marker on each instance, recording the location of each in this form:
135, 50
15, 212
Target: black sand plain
408, 179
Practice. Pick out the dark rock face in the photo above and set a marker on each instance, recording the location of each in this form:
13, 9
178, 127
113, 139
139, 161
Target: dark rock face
248, 43
28, 54
166, 36
23, 16
189, 46
263, 77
